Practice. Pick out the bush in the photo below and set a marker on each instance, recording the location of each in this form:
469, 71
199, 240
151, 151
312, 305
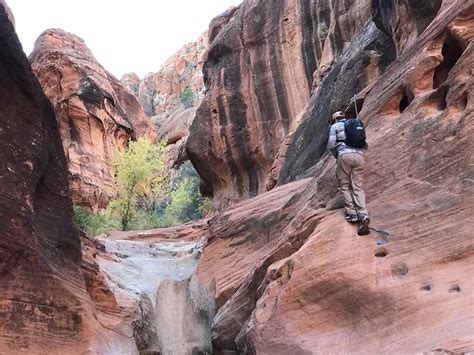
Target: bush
187, 98
147, 197
94, 224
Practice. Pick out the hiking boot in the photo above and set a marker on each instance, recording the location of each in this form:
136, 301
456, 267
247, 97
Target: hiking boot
352, 218
364, 225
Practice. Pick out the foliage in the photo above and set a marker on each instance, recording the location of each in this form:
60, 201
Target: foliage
188, 97
186, 203
148, 194
206, 207
141, 178
94, 224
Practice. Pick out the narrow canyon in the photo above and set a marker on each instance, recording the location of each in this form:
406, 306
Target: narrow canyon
276, 270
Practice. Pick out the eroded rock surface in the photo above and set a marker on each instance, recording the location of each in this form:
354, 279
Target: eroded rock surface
160, 92
265, 59
158, 303
290, 276
96, 114
42, 292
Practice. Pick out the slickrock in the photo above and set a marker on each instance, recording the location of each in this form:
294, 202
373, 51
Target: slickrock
156, 301
96, 114
265, 59
291, 276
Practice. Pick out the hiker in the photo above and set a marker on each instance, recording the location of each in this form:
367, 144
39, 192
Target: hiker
347, 144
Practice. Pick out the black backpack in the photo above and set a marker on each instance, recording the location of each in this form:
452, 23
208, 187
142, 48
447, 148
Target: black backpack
355, 133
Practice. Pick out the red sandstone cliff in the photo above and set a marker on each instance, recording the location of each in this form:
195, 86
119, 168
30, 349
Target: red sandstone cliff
96, 113
266, 60
289, 276
160, 94
41, 287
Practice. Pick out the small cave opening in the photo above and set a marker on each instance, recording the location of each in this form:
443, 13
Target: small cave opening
455, 288
441, 97
381, 253
463, 101
405, 101
451, 52
426, 287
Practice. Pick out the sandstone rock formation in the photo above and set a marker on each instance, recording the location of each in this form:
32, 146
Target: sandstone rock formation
96, 113
8, 11
160, 92
290, 276
264, 61
41, 288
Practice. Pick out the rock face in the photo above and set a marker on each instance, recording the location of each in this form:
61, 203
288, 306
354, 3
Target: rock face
288, 274
291, 277
41, 288
264, 60
52, 300
152, 296
96, 113
160, 92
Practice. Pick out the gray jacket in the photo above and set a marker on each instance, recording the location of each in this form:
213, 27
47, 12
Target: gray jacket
336, 137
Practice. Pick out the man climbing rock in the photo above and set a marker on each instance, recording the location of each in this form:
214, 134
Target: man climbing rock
347, 144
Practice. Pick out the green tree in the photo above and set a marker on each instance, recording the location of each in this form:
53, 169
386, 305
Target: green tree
140, 179
188, 97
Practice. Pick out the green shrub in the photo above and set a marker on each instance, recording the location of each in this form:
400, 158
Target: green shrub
187, 98
147, 197
92, 223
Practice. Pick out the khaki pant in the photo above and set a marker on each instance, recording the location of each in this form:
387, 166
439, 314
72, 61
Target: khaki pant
350, 174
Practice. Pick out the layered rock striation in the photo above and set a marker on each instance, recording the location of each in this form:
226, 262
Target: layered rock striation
42, 291
290, 276
265, 59
96, 114
287, 273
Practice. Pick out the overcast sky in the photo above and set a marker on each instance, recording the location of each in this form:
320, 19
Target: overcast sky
124, 36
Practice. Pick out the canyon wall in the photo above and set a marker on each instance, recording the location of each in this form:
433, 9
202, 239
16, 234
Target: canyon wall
41, 287
264, 61
161, 95
289, 274
59, 298
160, 92
96, 114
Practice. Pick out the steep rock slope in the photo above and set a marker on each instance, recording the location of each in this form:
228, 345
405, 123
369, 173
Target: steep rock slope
265, 58
290, 276
42, 291
96, 113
